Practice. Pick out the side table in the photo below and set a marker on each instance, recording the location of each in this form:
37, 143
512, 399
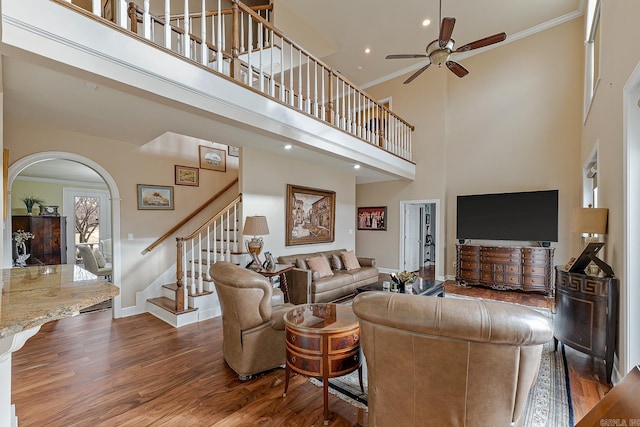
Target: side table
322, 341
278, 270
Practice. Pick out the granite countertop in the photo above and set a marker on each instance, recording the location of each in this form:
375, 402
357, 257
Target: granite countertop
36, 295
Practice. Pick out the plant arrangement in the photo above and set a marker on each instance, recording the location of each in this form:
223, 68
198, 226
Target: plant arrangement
22, 236
30, 200
402, 278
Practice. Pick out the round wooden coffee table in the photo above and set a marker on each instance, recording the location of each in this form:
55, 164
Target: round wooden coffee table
323, 341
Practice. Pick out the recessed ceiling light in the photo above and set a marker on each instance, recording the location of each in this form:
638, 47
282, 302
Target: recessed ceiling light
356, 166
288, 147
367, 50
426, 22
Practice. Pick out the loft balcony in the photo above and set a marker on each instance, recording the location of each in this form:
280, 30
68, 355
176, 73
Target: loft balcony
166, 68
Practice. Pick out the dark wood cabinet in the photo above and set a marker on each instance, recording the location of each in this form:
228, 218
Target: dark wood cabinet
587, 314
527, 269
49, 246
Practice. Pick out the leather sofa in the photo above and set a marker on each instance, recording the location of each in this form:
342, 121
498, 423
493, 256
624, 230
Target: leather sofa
253, 335
306, 287
448, 362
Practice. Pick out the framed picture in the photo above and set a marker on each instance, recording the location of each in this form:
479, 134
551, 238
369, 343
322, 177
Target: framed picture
213, 159
186, 175
372, 218
310, 215
155, 197
234, 151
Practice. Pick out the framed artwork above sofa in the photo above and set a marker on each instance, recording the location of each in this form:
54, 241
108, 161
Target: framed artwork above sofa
310, 215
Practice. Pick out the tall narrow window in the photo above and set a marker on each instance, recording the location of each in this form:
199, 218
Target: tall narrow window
87, 219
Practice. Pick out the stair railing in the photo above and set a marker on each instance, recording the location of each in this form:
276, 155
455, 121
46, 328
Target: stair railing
214, 241
247, 47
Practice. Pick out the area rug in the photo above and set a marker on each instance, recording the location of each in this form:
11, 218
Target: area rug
548, 404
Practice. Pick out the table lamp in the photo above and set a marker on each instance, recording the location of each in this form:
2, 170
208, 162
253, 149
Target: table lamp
255, 226
590, 221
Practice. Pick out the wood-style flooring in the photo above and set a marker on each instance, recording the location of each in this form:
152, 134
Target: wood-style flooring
91, 370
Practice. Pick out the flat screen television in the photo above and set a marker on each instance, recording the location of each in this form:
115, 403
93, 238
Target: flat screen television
521, 216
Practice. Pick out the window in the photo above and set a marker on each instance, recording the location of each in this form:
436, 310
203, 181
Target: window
592, 54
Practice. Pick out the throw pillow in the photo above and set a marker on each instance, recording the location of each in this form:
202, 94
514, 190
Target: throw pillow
301, 264
350, 260
336, 262
321, 265
99, 258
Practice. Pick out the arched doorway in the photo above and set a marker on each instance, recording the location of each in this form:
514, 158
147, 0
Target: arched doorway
114, 194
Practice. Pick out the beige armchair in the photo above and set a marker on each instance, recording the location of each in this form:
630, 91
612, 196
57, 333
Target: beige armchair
92, 264
253, 337
448, 362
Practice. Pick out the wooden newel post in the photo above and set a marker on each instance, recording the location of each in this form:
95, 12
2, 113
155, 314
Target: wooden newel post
329, 105
235, 46
179, 298
133, 18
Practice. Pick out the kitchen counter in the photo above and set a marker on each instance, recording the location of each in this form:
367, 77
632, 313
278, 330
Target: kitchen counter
36, 295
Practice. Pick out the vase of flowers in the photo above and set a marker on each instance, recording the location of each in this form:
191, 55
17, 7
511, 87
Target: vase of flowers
21, 237
30, 200
401, 279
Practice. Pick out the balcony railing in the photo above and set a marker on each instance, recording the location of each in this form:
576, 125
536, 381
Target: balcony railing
242, 43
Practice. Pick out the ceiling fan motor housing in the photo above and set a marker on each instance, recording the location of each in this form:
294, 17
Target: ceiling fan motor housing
437, 55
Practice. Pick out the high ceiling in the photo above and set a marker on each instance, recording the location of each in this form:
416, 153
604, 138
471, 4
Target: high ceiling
345, 27
396, 27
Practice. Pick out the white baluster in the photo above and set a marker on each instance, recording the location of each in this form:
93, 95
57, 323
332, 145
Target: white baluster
300, 80
272, 84
323, 109
187, 29
235, 227
250, 51
200, 262
282, 68
215, 241
167, 24
146, 20
95, 7
193, 267
291, 100
260, 50
227, 249
242, 48
203, 35
208, 250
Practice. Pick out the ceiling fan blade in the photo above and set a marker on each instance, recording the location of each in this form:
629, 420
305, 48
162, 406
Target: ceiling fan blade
457, 69
446, 29
406, 55
496, 38
416, 74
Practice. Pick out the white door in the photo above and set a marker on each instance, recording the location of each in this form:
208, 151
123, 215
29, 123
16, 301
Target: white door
412, 238
101, 215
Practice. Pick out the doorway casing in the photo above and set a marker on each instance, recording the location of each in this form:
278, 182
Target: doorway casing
439, 274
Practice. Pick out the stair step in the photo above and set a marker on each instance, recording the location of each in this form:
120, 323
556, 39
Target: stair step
174, 287
169, 305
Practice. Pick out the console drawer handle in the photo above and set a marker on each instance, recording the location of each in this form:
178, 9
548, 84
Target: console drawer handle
293, 337
356, 337
293, 359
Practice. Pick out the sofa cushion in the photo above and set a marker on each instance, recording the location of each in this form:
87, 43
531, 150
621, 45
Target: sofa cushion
300, 263
362, 273
336, 262
349, 259
321, 265
325, 284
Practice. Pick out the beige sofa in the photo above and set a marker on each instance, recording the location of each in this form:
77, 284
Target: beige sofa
305, 288
448, 362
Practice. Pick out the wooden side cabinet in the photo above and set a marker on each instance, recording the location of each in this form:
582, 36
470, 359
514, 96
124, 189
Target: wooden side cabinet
586, 315
528, 269
49, 246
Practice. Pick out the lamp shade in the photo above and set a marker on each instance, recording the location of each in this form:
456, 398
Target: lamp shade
255, 226
589, 220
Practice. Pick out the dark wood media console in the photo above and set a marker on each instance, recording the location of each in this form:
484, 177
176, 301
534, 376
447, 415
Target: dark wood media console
528, 269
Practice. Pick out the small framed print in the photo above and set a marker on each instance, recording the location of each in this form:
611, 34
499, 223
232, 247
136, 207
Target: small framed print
372, 218
155, 197
213, 159
186, 175
234, 151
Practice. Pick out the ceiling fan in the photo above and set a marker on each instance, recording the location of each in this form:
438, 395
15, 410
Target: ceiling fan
439, 51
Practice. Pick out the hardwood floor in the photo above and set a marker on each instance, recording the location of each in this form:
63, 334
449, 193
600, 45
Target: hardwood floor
91, 370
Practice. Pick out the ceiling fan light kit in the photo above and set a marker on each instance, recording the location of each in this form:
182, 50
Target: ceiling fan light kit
439, 51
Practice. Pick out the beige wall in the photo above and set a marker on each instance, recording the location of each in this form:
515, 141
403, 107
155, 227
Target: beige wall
50, 192
513, 124
129, 165
620, 54
264, 180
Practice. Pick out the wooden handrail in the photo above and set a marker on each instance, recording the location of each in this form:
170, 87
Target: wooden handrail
221, 12
209, 222
189, 217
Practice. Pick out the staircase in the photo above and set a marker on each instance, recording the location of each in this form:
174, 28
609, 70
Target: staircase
191, 298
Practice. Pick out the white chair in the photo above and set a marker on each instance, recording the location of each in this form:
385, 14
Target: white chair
105, 248
94, 262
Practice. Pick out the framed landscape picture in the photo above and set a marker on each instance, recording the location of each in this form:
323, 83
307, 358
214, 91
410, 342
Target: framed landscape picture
213, 159
185, 175
372, 218
234, 151
310, 215
155, 197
